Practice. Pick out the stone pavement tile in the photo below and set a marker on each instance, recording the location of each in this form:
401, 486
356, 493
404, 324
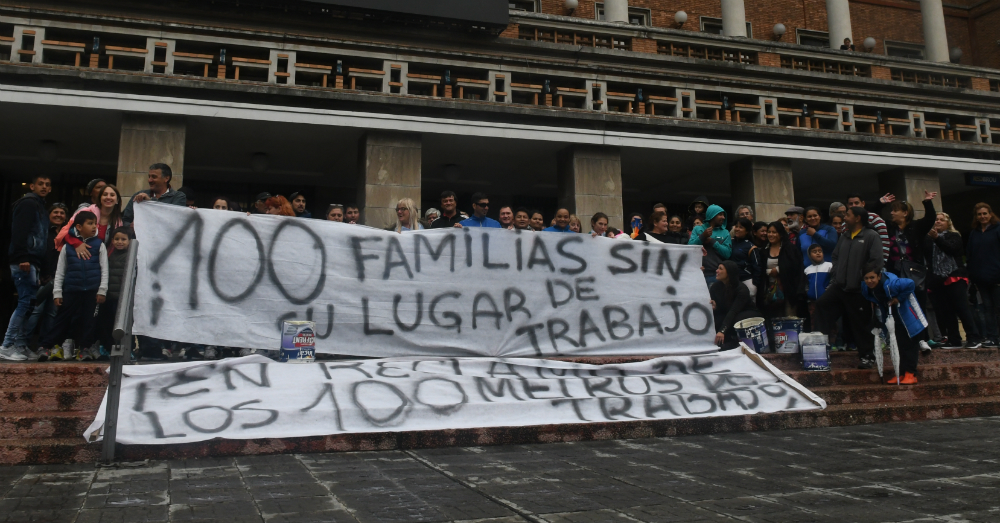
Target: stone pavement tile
61, 469
614, 494
942, 497
675, 513
845, 508
541, 498
39, 516
131, 499
154, 514
594, 516
209, 496
52, 501
215, 512
506, 519
761, 509
981, 516
288, 490
328, 516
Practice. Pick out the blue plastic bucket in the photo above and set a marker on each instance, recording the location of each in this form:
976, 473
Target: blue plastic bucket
785, 332
752, 332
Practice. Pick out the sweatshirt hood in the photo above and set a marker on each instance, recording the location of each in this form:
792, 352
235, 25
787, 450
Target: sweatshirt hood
713, 211
701, 199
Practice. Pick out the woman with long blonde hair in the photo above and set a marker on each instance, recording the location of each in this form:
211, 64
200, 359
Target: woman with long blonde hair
948, 283
407, 216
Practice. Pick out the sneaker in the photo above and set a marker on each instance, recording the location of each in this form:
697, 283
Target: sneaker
934, 344
210, 353
8, 352
29, 354
44, 354
866, 363
908, 379
168, 354
973, 344
894, 380
925, 349
952, 344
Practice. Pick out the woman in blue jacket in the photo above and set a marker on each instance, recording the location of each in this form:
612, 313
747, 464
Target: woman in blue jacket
819, 233
894, 294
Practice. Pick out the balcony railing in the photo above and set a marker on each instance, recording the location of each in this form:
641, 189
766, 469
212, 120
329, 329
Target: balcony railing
645, 93
929, 78
821, 65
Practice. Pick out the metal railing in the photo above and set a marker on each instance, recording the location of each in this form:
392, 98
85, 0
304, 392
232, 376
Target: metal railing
122, 349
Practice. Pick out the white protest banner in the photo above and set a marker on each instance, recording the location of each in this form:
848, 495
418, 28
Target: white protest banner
228, 279
254, 397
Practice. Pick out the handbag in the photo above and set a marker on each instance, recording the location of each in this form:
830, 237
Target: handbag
914, 271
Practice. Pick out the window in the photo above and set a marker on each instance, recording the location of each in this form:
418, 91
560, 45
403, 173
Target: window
904, 50
813, 38
530, 6
714, 26
636, 15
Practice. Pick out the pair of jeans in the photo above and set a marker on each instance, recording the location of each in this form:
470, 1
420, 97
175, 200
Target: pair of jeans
26, 283
990, 294
76, 315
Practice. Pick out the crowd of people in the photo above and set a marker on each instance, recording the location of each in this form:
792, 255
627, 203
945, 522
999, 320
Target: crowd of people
844, 270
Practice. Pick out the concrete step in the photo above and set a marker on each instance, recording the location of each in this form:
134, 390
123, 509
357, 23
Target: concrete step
48, 450
53, 375
25, 425
925, 373
51, 399
837, 415
849, 359
885, 393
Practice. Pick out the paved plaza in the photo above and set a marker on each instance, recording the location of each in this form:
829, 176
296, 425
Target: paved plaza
929, 471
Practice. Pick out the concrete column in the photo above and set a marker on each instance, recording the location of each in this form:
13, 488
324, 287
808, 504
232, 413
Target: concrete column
734, 18
390, 170
616, 11
909, 184
590, 181
146, 140
764, 184
838, 14
935, 35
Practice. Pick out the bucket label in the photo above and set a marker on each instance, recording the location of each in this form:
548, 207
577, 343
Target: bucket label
298, 342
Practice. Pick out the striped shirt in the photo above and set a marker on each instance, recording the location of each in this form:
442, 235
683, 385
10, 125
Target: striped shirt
878, 224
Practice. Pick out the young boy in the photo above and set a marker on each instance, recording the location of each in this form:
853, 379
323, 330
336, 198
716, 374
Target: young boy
117, 260
79, 286
893, 294
818, 278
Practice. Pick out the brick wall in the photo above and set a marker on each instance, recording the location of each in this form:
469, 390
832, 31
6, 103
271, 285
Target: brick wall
511, 31
897, 20
981, 84
769, 59
646, 45
881, 73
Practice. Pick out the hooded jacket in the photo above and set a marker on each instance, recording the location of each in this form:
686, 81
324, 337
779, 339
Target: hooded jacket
719, 245
29, 231
850, 257
826, 237
702, 200
909, 310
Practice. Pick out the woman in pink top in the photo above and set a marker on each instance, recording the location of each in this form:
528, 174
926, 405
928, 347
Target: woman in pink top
109, 218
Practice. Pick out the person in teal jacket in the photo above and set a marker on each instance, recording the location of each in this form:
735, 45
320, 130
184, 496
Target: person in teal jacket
715, 238
890, 292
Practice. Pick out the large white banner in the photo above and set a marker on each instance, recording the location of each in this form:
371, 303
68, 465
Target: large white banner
228, 279
254, 397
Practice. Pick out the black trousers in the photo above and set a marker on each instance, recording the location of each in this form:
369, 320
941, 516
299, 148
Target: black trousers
76, 316
106, 323
909, 348
951, 302
856, 311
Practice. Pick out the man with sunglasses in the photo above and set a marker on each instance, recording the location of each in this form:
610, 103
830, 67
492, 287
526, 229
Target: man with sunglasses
480, 206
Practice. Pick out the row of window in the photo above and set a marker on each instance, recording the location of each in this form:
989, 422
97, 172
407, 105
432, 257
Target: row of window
707, 24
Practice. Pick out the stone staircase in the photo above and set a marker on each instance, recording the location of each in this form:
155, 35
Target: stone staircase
44, 409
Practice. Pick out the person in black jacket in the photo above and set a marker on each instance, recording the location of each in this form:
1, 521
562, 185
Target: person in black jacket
906, 248
948, 283
742, 247
659, 230
983, 252
731, 303
45, 308
26, 254
781, 280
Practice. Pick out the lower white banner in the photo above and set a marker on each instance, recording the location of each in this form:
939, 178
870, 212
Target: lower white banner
254, 397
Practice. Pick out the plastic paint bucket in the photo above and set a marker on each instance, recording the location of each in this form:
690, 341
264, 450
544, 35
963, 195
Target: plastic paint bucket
815, 354
785, 332
752, 332
298, 342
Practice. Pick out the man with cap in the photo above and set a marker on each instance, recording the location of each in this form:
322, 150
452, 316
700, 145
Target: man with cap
159, 191
258, 206
793, 217
94, 189
299, 205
